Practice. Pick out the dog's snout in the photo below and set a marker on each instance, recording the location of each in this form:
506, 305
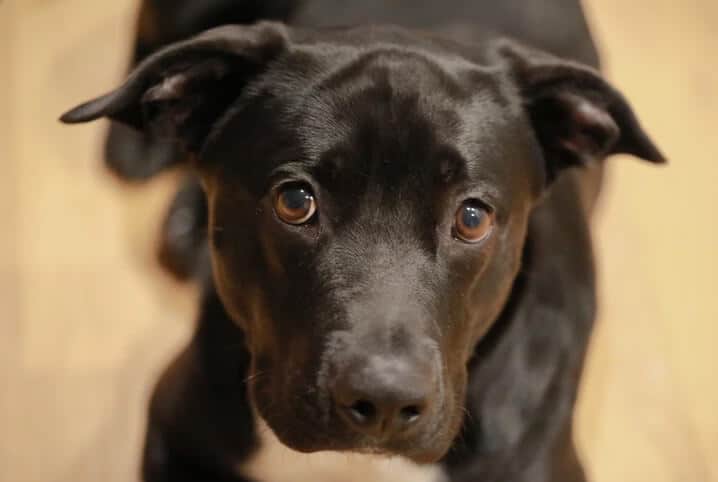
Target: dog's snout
384, 396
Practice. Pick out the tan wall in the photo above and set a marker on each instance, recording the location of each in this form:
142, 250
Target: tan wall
86, 321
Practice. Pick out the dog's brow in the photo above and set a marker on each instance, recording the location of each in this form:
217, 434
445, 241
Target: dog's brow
290, 169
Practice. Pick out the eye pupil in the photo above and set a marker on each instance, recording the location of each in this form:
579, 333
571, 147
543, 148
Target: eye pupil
297, 199
472, 217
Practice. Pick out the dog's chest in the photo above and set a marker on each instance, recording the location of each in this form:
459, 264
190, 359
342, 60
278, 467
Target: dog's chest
274, 462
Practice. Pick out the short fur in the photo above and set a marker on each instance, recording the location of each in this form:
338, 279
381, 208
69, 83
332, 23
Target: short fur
393, 127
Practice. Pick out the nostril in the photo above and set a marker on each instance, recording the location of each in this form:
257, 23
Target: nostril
410, 413
363, 411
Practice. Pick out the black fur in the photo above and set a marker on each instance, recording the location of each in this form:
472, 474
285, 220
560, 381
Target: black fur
392, 127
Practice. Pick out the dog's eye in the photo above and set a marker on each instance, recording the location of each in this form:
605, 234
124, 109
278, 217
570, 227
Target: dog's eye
294, 203
473, 222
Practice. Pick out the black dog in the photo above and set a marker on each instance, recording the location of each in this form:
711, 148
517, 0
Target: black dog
401, 263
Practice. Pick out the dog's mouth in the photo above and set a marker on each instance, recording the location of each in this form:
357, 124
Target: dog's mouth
313, 441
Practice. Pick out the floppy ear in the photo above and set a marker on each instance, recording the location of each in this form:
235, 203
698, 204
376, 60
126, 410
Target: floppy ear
182, 89
576, 114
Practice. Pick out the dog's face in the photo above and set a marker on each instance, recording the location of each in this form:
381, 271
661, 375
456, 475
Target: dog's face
367, 222
369, 195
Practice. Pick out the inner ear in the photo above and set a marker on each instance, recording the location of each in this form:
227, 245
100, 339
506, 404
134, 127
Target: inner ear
572, 129
576, 115
184, 104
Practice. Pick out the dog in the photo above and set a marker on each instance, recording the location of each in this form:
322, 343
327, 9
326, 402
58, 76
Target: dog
397, 271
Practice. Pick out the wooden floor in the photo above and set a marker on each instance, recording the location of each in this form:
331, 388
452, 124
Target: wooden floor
86, 320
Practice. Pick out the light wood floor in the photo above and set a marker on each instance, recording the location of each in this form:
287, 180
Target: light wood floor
86, 320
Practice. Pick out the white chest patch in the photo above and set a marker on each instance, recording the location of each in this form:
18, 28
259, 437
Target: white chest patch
274, 462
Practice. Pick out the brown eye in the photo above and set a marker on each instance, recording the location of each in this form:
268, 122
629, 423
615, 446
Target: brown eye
295, 204
473, 222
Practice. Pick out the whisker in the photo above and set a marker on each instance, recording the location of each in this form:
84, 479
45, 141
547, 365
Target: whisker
467, 413
253, 376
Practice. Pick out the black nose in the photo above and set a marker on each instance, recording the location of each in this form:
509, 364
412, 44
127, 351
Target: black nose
382, 397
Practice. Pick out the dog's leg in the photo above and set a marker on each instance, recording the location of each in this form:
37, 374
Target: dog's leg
163, 465
200, 423
183, 249
523, 379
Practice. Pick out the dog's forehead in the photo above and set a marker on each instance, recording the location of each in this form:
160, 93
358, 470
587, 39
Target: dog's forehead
382, 115
332, 91
390, 89
403, 111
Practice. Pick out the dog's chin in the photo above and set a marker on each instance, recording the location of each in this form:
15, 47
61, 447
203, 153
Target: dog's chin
308, 438
419, 457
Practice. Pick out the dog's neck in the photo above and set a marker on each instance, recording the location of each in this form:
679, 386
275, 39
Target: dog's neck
525, 372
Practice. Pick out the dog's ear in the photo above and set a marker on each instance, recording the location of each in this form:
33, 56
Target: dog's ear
182, 89
576, 115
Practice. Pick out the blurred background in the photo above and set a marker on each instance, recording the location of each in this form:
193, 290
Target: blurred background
87, 319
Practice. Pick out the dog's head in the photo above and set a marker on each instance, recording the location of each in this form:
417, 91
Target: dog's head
369, 194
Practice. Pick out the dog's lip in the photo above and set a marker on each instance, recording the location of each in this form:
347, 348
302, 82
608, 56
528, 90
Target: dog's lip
375, 446
380, 450
366, 445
